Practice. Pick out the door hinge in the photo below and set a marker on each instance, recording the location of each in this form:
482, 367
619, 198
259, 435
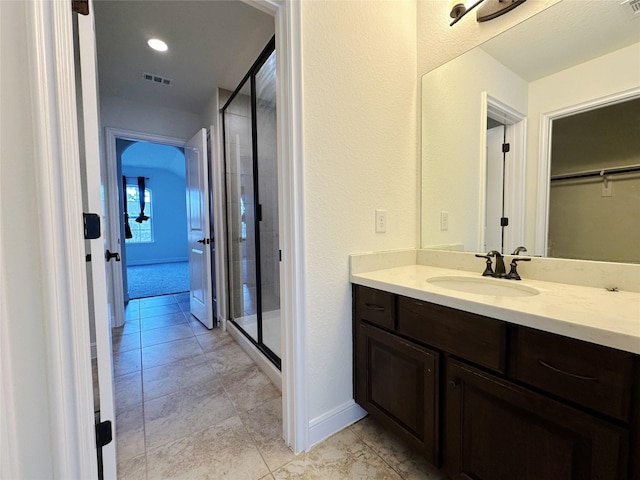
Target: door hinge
280, 255
87, 257
259, 213
80, 6
104, 433
91, 226
505, 147
504, 222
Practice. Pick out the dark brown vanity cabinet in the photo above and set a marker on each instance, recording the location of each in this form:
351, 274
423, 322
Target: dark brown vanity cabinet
497, 430
492, 400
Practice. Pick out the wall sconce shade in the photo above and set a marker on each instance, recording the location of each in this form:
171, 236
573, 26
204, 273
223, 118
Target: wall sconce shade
490, 9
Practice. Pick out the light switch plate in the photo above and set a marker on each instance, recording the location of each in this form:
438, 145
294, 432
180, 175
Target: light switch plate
381, 221
444, 221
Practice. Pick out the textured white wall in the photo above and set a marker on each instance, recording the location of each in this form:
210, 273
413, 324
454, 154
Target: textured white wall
22, 269
359, 69
126, 115
453, 127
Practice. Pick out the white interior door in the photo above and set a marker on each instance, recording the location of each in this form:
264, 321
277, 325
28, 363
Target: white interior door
199, 236
92, 198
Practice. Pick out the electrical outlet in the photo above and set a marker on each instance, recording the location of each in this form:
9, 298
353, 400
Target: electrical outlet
444, 221
381, 221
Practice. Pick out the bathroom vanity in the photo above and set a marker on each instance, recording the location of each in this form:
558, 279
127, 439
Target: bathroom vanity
502, 394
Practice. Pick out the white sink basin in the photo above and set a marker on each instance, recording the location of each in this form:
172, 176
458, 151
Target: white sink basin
484, 286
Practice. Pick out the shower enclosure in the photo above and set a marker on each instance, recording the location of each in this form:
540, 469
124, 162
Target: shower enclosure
249, 128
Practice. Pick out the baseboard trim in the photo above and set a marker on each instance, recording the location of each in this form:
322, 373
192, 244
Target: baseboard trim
137, 263
256, 355
334, 420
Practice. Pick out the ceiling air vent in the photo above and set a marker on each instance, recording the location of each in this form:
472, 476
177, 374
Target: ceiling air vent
632, 7
158, 79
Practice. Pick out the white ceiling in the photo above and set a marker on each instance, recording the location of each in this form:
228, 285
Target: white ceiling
211, 44
566, 34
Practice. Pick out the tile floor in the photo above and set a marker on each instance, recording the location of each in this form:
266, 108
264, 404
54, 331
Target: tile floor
191, 404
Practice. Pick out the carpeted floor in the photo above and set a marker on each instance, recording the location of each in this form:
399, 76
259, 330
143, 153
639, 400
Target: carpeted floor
157, 279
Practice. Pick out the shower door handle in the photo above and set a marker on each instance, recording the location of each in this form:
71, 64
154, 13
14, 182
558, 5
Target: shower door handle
203, 241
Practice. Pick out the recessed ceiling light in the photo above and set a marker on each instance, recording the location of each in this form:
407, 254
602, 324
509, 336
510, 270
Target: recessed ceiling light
157, 44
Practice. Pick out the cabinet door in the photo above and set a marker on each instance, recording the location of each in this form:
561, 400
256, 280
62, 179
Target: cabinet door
397, 384
496, 430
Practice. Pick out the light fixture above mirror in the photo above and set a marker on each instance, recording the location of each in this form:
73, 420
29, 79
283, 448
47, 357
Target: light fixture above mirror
490, 9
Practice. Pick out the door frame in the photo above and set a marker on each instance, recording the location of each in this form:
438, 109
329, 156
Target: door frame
514, 191
544, 157
50, 30
112, 199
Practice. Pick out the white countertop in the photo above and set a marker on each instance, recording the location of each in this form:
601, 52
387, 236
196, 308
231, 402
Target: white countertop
586, 313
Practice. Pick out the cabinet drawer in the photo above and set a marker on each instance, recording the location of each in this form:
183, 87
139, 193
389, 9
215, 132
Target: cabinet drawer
587, 374
375, 306
478, 339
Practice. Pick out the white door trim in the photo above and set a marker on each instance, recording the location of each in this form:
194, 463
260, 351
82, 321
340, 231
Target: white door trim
64, 287
112, 200
295, 415
544, 158
516, 128
50, 29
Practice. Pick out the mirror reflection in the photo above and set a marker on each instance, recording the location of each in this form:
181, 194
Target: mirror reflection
540, 87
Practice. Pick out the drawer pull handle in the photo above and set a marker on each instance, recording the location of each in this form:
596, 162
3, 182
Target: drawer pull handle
373, 306
574, 375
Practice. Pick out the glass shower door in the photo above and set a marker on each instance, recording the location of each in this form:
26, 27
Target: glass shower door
267, 168
250, 141
241, 212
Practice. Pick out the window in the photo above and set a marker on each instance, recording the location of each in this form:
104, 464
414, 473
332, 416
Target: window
142, 232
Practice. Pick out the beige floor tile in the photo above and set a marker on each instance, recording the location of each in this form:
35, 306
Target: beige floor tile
159, 310
341, 457
222, 451
132, 310
214, 339
229, 358
390, 448
267, 477
161, 321
123, 342
127, 362
157, 336
157, 301
169, 352
128, 391
184, 413
130, 326
249, 388
133, 469
196, 325
177, 376
130, 433
264, 424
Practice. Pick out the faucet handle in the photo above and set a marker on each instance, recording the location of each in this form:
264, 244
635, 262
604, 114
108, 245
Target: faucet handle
488, 271
519, 250
513, 273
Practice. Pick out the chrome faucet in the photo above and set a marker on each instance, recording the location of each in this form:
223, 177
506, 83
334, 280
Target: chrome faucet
518, 250
500, 271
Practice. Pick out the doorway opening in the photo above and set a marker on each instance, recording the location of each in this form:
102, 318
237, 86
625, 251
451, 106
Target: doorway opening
504, 166
153, 219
